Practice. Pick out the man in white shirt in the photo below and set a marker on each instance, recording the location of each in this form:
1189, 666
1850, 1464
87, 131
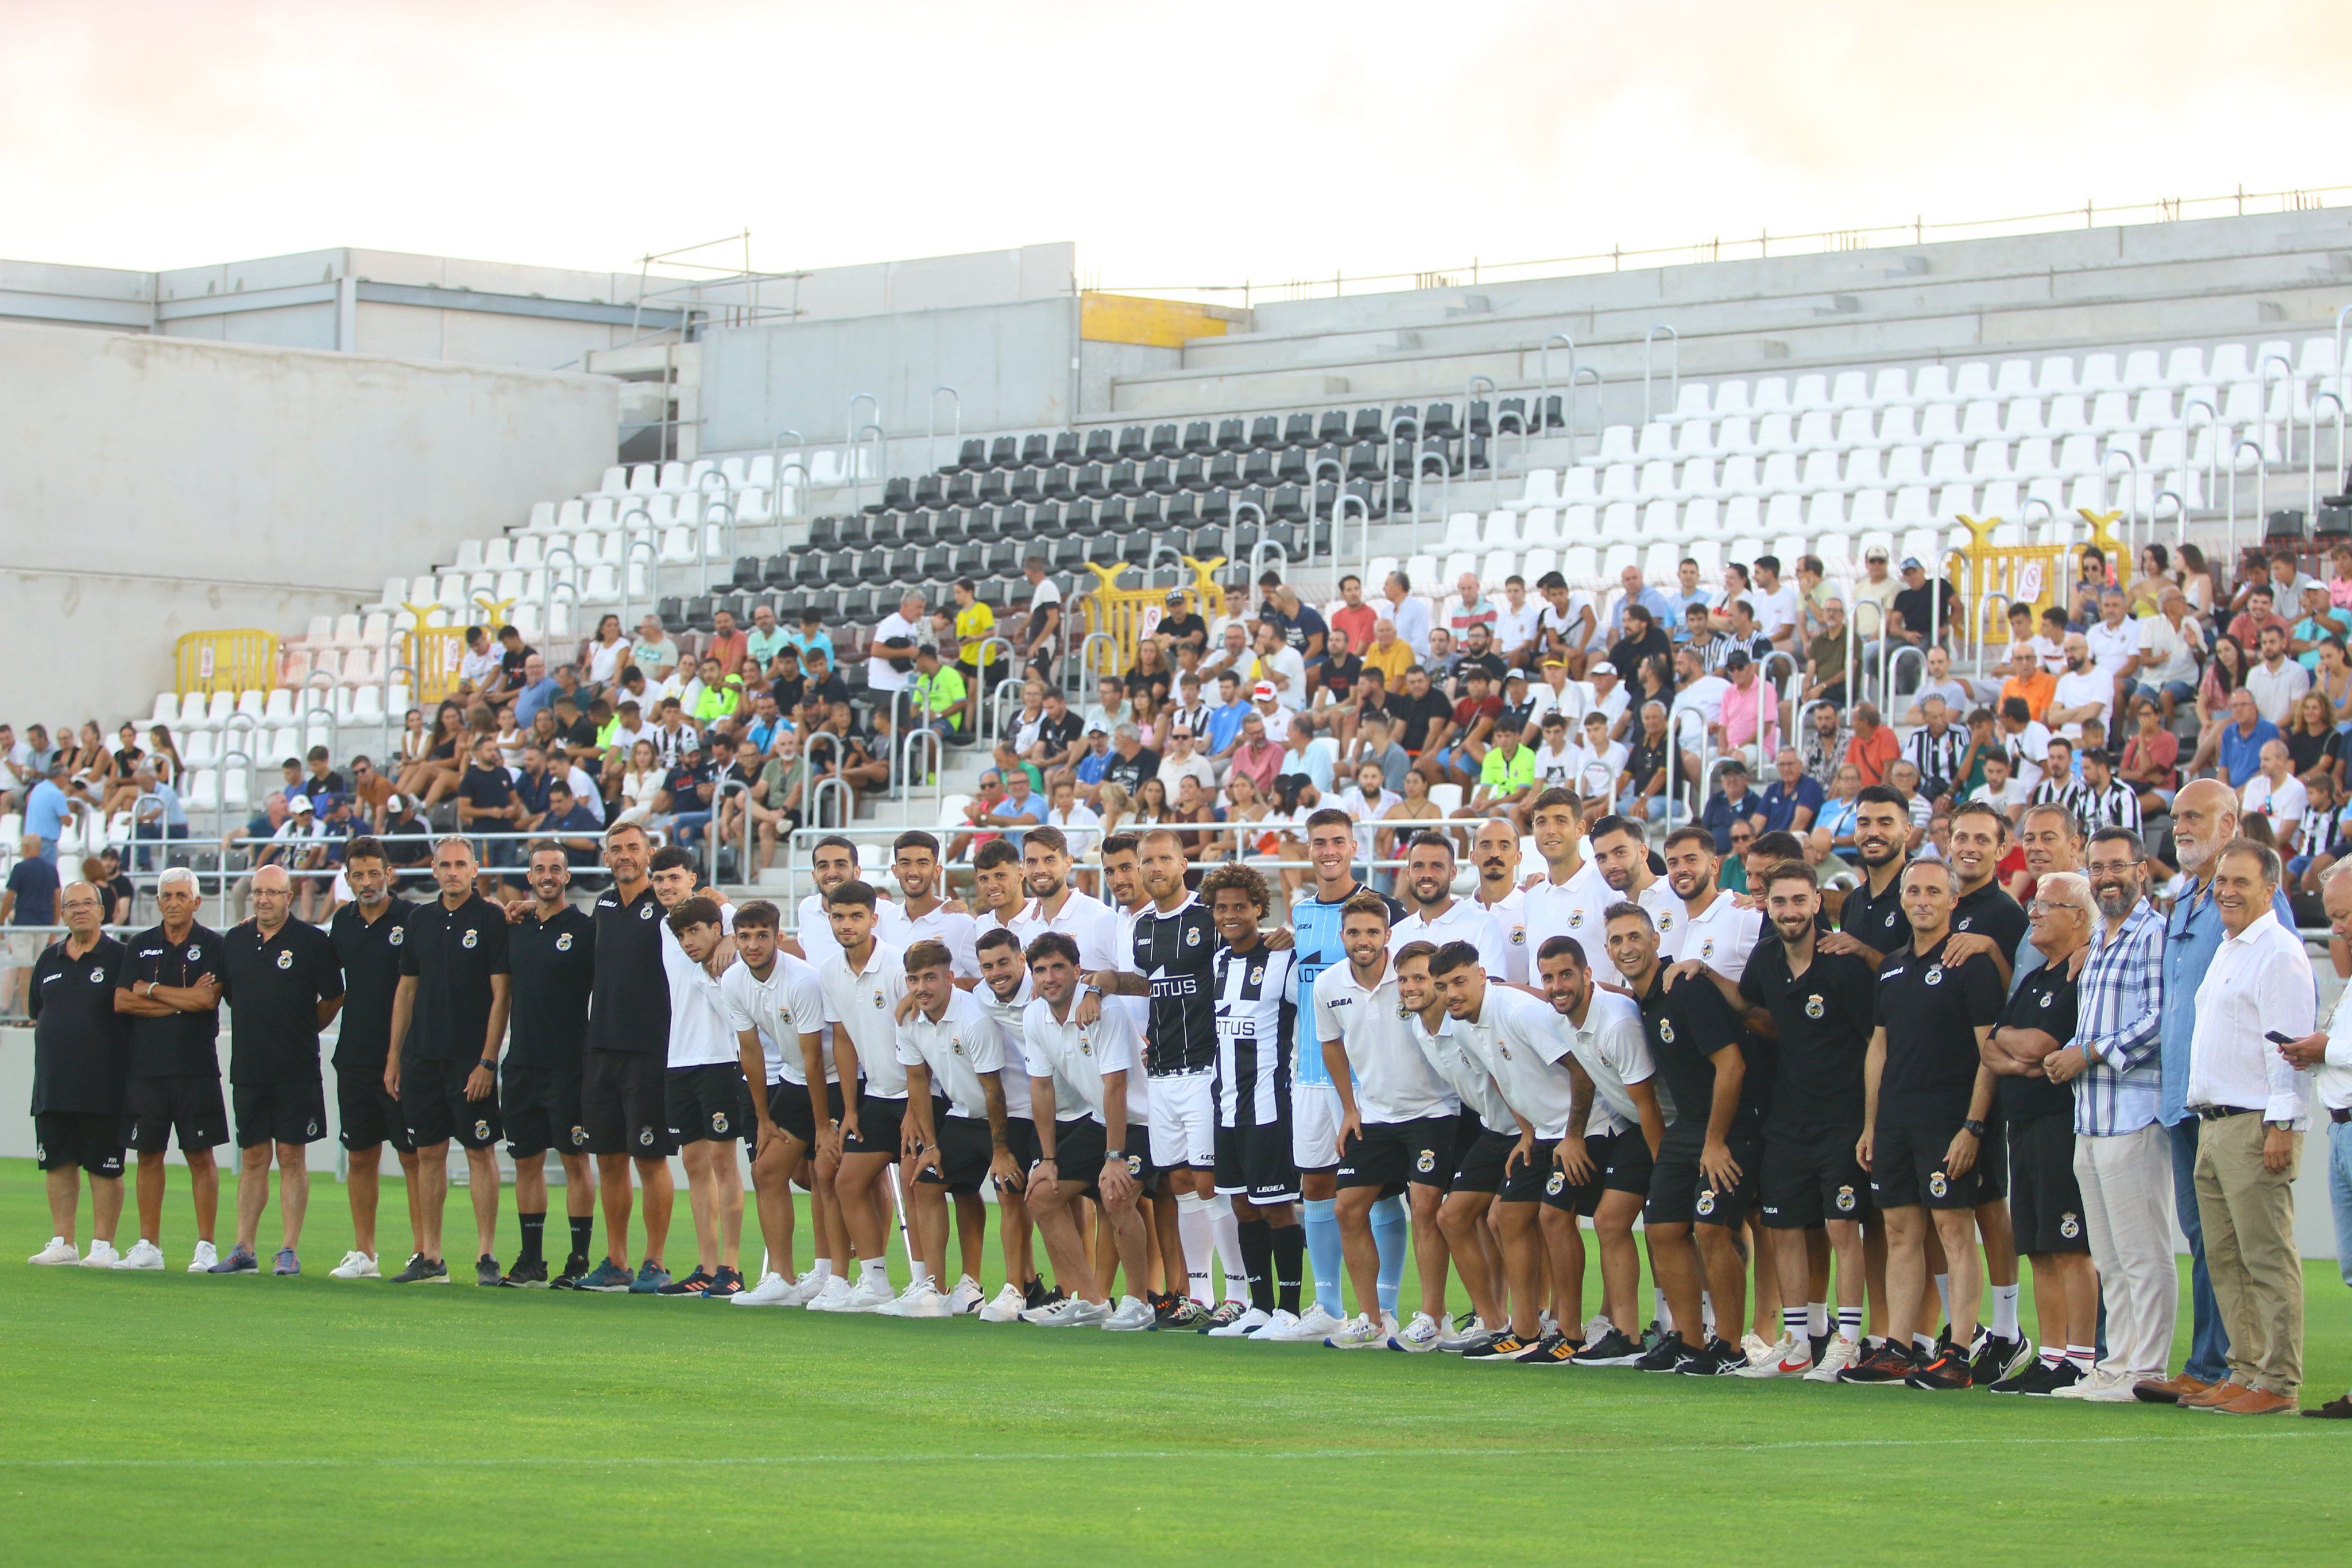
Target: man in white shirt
2171, 651
1568, 898
1495, 851
955, 1056
1775, 602
2275, 681
1515, 623
1568, 627
1305, 754
2083, 693
1716, 930
862, 983
2113, 641
1181, 759
709, 1100
1410, 614
2278, 796
1700, 694
1075, 821
896, 637
914, 861
2327, 1057
833, 862
1056, 904
1436, 915
2250, 1098
1004, 994
1280, 665
767, 998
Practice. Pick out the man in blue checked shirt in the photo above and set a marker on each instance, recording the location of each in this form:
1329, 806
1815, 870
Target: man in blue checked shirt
2204, 818
1314, 1104
2122, 1152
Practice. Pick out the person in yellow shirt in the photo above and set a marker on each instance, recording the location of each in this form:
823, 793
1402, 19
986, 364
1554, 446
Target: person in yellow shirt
974, 624
1390, 654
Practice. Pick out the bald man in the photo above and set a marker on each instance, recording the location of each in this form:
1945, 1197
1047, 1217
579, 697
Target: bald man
282, 982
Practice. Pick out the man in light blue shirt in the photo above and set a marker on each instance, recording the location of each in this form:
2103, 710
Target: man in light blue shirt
539, 689
1226, 718
1409, 614
47, 808
812, 634
765, 636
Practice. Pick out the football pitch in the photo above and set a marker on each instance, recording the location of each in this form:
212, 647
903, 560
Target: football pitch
258, 1418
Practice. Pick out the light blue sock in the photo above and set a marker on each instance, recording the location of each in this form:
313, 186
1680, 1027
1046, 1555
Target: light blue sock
1323, 1251
1389, 1233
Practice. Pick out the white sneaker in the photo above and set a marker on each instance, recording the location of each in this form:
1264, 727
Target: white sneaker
1242, 1327
1073, 1314
1785, 1359
833, 1298
59, 1250
2081, 1387
1277, 1320
1005, 1307
1310, 1327
1358, 1333
1421, 1334
869, 1295
2103, 1387
921, 1300
355, 1266
201, 1263
966, 1297
144, 1254
1753, 1346
770, 1292
803, 1291
1463, 1338
1132, 1316
102, 1255
1842, 1353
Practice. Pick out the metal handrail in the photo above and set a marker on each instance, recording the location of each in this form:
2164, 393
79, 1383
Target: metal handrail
2261, 491
550, 580
1314, 476
1233, 523
727, 545
2343, 385
931, 443
1085, 670
2311, 475
726, 786
2212, 422
1363, 528
913, 739
2262, 380
1543, 384
1599, 405
1387, 459
980, 666
2180, 512
849, 447
1444, 492
2131, 500
818, 787
1675, 367
881, 462
652, 575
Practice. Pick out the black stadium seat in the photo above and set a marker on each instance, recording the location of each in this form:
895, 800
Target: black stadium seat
885, 529
1182, 509
1199, 436
1157, 477
1288, 501
994, 485
1232, 436
855, 531
1290, 465
823, 532
1059, 485
1027, 484
776, 571
1215, 505
1370, 426
860, 605
1298, 430
1143, 512
788, 605
1439, 420
936, 561
1112, 515
1067, 553
1004, 452
1332, 428
1037, 451
1099, 446
1363, 460
961, 489
1134, 443
810, 568
1481, 422
1511, 413
672, 611
1265, 431
897, 494
1163, 442
1191, 476
1258, 468
1087, 482
1066, 449
974, 455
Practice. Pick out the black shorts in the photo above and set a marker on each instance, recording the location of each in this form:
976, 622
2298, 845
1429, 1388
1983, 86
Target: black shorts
91, 1139
189, 1106
1620, 1163
1021, 1137
1992, 1159
1479, 1168
1389, 1155
279, 1113
881, 1126
1811, 1177
1906, 1170
790, 1107
1680, 1193
624, 1104
542, 1106
966, 1151
1253, 1162
707, 1103
368, 1116
1079, 1150
2045, 1201
433, 1099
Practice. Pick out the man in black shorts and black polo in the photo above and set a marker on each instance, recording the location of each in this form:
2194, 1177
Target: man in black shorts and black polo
1255, 1022
451, 1011
552, 948
1705, 1177
368, 933
1926, 1094
1401, 1122
955, 1057
170, 985
282, 983
80, 1045
624, 1093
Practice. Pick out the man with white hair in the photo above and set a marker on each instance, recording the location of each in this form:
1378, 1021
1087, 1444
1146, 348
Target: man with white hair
169, 986
283, 983
77, 1051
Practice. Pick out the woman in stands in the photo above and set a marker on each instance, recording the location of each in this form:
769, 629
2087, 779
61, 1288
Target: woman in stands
600, 666
2197, 582
1192, 806
2333, 680
435, 772
1366, 800
2156, 575
1150, 803
164, 756
1150, 672
2150, 760
1833, 832
124, 790
1283, 833
2224, 674
1114, 806
641, 786
2312, 739
1148, 713
1244, 807
510, 737
1415, 807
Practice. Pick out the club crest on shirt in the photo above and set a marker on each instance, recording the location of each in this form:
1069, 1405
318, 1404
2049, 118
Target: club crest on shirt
2049, 997
97, 977
1962, 923
1667, 1031
1257, 974
1427, 1162
1575, 919
399, 935
955, 1043
194, 953
1403, 1011
1935, 975
1936, 1185
1085, 1046
1813, 1008
646, 912
1191, 937
1518, 936
563, 943
1666, 923
470, 939
1706, 949
285, 960
1845, 1200
877, 1001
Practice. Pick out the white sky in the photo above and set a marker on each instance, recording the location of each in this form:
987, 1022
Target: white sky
1177, 145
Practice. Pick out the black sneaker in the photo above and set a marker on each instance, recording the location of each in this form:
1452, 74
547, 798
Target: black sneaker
486, 1272
1185, 1314
1035, 1295
1996, 1356
1497, 1349
1667, 1355
1220, 1314
1946, 1373
724, 1284
422, 1270
1821, 1345
528, 1274
575, 1268
1717, 1358
1552, 1349
1886, 1365
1651, 1335
2034, 1379
2065, 1374
1614, 1348
692, 1285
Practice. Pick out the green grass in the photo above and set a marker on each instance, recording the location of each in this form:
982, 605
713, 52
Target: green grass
268, 1420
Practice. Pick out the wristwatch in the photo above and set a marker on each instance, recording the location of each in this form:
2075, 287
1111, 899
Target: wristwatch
1975, 1129
487, 1064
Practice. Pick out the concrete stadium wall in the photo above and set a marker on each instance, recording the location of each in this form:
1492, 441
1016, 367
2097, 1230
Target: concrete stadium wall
153, 486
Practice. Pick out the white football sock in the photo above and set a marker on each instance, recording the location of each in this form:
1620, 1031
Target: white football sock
1661, 1312
1227, 1233
1817, 1318
874, 1268
1943, 1294
2004, 1311
2082, 1356
1850, 1324
822, 1268
1194, 1233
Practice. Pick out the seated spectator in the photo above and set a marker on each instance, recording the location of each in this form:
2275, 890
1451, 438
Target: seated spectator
1366, 801
1182, 758
2149, 758
1732, 803
1306, 756
1258, 756
2237, 744
30, 899
2028, 682
1556, 754
478, 666
942, 701
487, 802
1596, 764
2024, 739
2277, 796
1654, 770
1873, 747
1999, 789
2084, 692
687, 792
1414, 806
1793, 799
655, 652
2258, 617
1192, 807
1464, 750
536, 689
573, 827
1094, 761
1375, 741
1112, 704
1832, 836
1506, 779
1075, 819
534, 785
639, 796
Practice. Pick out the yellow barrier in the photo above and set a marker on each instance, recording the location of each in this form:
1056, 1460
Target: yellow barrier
1154, 323
238, 661
1995, 576
1130, 614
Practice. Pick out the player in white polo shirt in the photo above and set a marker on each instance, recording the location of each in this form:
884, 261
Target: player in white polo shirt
1568, 896
1715, 930
954, 1055
1434, 915
833, 862
862, 985
1005, 993
915, 863
1495, 851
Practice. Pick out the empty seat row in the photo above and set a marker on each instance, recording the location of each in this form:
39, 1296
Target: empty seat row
1264, 432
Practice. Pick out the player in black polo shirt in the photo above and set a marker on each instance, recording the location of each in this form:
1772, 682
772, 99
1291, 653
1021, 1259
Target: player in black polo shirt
454, 990
1982, 908
1870, 921
1173, 960
552, 948
282, 983
2045, 1201
1927, 1093
1704, 1174
623, 1070
80, 1046
368, 933
1818, 1007
170, 985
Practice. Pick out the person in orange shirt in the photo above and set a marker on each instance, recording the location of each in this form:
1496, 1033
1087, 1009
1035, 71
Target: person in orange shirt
2029, 680
1874, 748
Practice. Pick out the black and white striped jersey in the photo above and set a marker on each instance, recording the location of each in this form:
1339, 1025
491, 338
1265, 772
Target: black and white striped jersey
1256, 1021
1177, 953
